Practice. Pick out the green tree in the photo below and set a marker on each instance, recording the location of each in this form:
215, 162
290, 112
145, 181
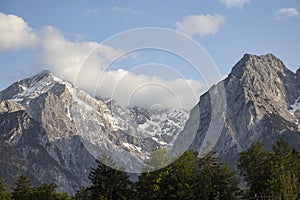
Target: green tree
158, 159
83, 194
175, 181
47, 192
182, 181
108, 183
254, 167
216, 181
189, 177
61, 196
43, 192
4, 195
275, 172
23, 190
284, 174
149, 184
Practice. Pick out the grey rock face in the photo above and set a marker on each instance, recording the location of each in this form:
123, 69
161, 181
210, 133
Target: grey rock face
260, 96
54, 132
58, 130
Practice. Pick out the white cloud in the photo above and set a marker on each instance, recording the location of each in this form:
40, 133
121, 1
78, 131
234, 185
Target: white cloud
68, 57
15, 33
286, 13
140, 90
92, 11
200, 24
83, 62
125, 10
235, 3
69, 60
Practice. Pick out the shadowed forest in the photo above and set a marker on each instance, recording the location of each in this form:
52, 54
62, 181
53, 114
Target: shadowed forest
260, 174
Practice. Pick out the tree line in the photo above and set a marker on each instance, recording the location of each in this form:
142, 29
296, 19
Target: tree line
274, 173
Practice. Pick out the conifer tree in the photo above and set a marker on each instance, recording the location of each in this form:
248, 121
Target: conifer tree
23, 190
4, 195
216, 181
189, 177
284, 174
108, 183
152, 182
254, 167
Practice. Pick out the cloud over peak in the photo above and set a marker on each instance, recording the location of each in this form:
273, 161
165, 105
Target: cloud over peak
200, 24
15, 33
83, 63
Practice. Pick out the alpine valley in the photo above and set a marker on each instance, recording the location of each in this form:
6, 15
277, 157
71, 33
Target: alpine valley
53, 131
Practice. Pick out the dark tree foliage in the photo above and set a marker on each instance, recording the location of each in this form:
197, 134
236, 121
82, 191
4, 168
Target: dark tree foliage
23, 190
274, 173
4, 195
271, 173
216, 181
189, 177
83, 194
47, 192
253, 167
284, 171
107, 182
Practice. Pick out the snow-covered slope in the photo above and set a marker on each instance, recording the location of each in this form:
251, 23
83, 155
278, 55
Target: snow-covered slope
72, 129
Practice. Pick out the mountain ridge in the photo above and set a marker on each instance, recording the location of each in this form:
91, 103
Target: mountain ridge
260, 92
60, 130
57, 130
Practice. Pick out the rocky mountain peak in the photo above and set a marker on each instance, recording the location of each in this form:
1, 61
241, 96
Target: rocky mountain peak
262, 103
253, 64
266, 77
46, 117
44, 73
58, 130
32, 87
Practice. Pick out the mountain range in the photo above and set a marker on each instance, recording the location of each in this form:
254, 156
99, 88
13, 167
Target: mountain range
53, 131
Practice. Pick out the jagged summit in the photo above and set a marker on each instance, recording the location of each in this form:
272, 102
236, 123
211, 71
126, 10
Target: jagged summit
256, 64
31, 87
59, 130
262, 98
267, 77
44, 72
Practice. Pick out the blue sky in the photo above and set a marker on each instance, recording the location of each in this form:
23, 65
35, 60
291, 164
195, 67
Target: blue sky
226, 29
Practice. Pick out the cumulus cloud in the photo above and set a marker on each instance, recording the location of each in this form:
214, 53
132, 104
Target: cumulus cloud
145, 91
234, 3
67, 58
82, 63
286, 13
200, 24
15, 33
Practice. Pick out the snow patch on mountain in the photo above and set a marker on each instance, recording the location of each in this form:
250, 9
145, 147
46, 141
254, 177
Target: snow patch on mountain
295, 106
65, 111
